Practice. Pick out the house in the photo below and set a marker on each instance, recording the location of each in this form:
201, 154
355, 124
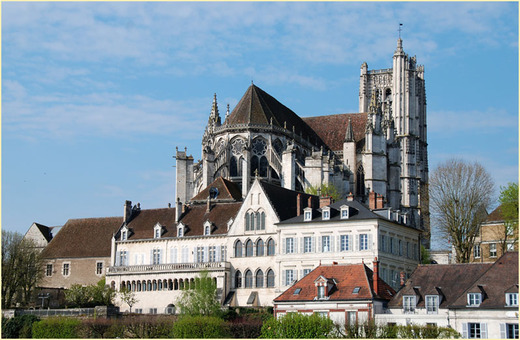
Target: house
40, 235
347, 232
346, 293
78, 254
494, 239
478, 300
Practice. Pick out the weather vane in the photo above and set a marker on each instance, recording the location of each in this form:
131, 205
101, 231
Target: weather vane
400, 29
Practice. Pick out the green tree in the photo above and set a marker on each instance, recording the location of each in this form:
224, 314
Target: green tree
509, 207
128, 297
460, 194
201, 299
325, 190
21, 269
425, 255
90, 296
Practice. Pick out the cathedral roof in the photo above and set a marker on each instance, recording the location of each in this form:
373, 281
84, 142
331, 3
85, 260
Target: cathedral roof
84, 237
226, 191
259, 107
332, 128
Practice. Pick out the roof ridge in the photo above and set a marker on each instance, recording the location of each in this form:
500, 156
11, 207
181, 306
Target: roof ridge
336, 114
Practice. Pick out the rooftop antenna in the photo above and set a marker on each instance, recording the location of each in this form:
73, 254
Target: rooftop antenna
400, 29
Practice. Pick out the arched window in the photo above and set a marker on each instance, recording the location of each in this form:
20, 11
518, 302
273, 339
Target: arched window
154, 285
260, 248
360, 182
170, 309
233, 167
270, 247
252, 221
259, 279
263, 166
249, 248
249, 279
262, 221
159, 285
270, 278
238, 279
248, 225
254, 165
138, 286
238, 249
149, 285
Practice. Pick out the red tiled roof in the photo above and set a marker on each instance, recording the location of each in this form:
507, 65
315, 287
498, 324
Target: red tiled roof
347, 277
332, 128
226, 191
87, 237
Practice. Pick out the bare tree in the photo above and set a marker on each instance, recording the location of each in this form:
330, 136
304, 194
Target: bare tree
460, 194
128, 296
21, 269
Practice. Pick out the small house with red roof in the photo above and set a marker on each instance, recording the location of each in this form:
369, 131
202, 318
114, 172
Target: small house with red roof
345, 293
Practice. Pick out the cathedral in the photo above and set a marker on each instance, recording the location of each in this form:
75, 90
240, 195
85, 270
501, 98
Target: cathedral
380, 149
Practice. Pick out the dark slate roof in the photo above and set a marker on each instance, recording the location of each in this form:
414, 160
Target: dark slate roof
347, 277
451, 280
284, 201
259, 107
86, 237
332, 128
495, 282
495, 216
358, 211
46, 231
143, 222
226, 191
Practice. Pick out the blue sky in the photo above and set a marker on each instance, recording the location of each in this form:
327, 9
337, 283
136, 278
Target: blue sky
96, 96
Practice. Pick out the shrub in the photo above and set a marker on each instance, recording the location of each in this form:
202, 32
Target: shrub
18, 327
56, 328
244, 328
296, 325
148, 326
200, 327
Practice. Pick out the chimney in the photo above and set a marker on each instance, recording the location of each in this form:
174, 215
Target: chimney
350, 197
372, 200
127, 212
208, 208
178, 210
309, 202
325, 201
379, 202
375, 278
401, 276
299, 205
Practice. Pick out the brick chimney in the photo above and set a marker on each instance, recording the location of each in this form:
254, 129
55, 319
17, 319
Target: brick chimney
379, 201
299, 205
127, 212
401, 276
375, 277
325, 201
372, 200
309, 202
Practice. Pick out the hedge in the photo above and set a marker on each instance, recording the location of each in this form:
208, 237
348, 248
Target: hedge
56, 328
201, 327
296, 325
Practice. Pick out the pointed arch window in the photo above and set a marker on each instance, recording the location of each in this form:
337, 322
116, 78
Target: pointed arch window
260, 248
259, 279
249, 248
233, 167
270, 278
238, 279
249, 279
262, 221
238, 249
270, 247
360, 182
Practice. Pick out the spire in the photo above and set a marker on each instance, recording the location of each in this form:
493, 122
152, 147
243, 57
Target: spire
349, 135
399, 50
214, 117
227, 112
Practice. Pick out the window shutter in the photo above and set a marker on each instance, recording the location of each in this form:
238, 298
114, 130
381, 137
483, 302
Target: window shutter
357, 243
319, 241
483, 330
194, 254
302, 241
136, 259
370, 242
332, 243
350, 241
503, 334
295, 275
283, 245
313, 244
283, 277
206, 254
465, 330
218, 254
151, 256
295, 245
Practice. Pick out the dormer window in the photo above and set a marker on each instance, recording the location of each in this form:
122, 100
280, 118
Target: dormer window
307, 214
344, 212
432, 304
124, 233
512, 299
321, 292
157, 231
474, 299
409, 303
323, 287
207, 228
180, 230
326, 213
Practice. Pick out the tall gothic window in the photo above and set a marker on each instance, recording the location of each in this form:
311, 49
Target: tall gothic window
270, 278
360, 182
260, 248
233, 167
238, 279
259, 279
258, 160
249, 279
238, 249
270, 247
249, 248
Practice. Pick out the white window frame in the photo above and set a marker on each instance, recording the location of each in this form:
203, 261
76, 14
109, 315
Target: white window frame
325, 213
156, 256
307, 244
289, 278
512, 299
432, 304
207, 228
67, 271
492, 250
321, 292
212, 254
289, 245
180, 230
474, 299
344, 242
47, 272
344, 212
326, 244
409, 303
363, 242
307, 214
124, 234
476, 251
102, 267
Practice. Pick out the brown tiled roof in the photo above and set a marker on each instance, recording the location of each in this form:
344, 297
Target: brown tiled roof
284, 201
143, 222
332, 128
496, 215
450, 279
226, 191
347, 277
87, 237
259, 107
495, 282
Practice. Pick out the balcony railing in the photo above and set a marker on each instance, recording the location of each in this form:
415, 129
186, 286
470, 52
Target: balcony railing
168, 267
